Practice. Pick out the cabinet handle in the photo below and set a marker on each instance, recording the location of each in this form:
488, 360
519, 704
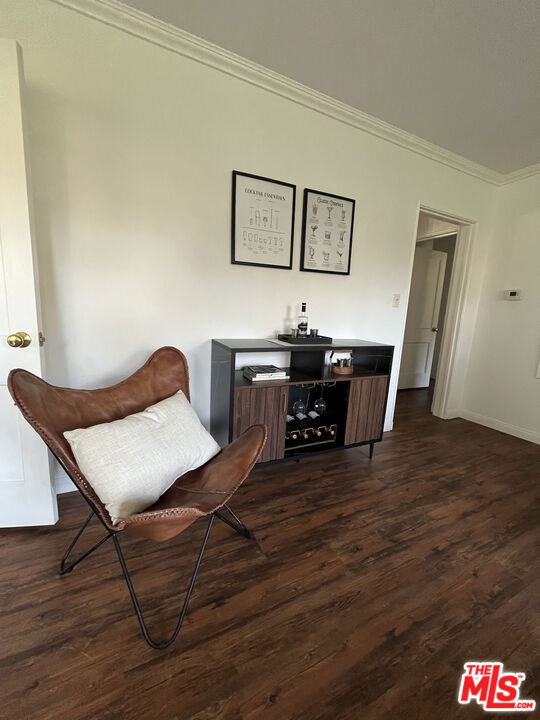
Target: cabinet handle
284, 403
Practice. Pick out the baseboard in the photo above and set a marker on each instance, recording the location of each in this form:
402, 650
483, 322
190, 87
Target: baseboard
451, 413
504, 427
62, 483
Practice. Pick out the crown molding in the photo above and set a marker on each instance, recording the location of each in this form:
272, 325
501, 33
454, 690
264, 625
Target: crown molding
523, 174
169, 37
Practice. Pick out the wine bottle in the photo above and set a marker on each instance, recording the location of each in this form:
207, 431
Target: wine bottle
293, 431
304, 424
303, 321
316, 420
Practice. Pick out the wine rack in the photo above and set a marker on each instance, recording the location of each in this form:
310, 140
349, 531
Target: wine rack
322, 409
321, 435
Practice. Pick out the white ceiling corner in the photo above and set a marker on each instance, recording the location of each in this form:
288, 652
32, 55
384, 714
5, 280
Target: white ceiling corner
454, 80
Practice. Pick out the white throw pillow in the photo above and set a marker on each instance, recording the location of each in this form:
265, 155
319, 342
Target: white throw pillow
131, 462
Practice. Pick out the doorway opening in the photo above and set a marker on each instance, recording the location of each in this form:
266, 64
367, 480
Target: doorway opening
438, 283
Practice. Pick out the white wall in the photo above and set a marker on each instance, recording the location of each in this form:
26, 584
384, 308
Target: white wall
132, 148
502, 389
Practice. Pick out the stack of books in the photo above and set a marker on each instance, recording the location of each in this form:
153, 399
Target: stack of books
264, 372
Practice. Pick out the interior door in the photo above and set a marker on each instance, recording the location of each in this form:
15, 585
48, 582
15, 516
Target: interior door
422, 318
267, 406
26, 492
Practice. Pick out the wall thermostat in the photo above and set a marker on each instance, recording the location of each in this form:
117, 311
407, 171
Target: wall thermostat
512, 294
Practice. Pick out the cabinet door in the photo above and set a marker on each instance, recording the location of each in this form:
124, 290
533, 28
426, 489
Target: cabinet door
365, 412
267, 406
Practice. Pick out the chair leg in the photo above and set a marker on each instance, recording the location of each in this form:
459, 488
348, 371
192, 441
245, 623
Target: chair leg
238, 525
63, 569
165, 644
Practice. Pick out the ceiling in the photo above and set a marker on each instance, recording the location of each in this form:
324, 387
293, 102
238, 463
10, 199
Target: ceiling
463, 74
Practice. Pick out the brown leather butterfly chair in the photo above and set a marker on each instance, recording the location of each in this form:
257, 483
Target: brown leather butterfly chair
53, 410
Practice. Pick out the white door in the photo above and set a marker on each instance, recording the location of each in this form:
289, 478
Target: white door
422, 318
26, 492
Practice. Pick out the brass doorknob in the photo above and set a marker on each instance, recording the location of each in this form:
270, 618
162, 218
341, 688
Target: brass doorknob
19, 340
435, 329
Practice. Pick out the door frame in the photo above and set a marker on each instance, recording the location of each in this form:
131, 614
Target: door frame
448, 384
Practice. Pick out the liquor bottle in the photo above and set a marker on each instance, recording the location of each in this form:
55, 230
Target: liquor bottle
303, 321
293, 431
316, 418
304, 424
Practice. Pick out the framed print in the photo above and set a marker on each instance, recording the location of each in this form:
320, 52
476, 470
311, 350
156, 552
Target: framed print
327, 231
262, 221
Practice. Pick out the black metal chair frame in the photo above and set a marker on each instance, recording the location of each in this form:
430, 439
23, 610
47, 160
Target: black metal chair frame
236, 524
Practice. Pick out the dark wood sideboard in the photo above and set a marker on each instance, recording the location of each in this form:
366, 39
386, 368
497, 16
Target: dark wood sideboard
356, 402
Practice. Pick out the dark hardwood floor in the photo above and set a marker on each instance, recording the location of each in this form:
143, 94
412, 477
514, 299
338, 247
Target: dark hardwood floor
366, 588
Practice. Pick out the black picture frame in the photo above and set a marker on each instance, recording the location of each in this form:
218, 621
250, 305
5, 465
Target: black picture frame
343, 228
273, 240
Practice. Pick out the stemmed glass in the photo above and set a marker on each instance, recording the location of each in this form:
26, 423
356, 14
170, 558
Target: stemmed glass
320, 404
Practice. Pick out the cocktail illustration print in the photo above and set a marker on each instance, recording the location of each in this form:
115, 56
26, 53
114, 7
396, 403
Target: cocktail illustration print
314, 209
329, 210
313, 229
341, 242
311, 252
343, 213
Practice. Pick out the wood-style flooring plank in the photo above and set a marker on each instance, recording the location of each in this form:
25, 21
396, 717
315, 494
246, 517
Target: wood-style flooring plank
366, 587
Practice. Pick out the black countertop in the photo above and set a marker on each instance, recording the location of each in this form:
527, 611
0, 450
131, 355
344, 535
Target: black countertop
257, 345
